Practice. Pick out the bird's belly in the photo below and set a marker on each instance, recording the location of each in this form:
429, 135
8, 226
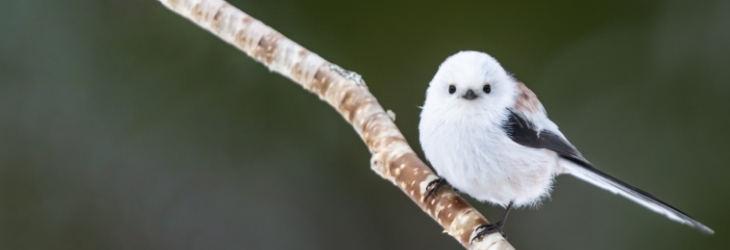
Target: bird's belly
495, 170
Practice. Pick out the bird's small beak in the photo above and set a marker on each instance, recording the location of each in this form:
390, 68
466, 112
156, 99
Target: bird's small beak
470, 95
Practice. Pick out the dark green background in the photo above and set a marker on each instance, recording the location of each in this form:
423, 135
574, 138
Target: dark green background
125, 126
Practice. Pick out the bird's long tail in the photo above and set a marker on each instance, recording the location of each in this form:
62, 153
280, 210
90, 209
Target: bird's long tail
588, 173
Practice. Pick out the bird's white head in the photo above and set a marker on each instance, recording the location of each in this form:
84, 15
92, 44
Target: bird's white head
473, 83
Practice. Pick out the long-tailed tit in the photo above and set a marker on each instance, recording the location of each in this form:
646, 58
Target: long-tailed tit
488, 136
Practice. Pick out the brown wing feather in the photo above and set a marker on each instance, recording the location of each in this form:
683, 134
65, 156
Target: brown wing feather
526, 101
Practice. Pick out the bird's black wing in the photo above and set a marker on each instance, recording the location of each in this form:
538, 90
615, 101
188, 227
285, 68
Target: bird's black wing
523, 132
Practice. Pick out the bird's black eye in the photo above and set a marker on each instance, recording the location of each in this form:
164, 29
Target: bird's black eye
452, 89
487, 88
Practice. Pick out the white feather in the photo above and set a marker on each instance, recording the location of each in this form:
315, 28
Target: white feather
465, 143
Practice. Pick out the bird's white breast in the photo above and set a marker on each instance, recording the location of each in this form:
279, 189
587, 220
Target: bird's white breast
474, 154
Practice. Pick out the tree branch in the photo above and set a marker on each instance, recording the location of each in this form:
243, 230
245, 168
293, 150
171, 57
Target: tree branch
393, 159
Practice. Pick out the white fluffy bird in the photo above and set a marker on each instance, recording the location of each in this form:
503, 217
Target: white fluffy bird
488, 136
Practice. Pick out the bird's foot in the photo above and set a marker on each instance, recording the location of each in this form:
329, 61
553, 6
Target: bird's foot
433, 187
488, 229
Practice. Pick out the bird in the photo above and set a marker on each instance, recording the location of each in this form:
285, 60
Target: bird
487, 135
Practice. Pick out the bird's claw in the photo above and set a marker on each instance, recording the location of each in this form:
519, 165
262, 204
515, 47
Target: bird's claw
433, 187
487, 229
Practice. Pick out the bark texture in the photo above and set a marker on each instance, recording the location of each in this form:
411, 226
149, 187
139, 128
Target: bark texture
392, 157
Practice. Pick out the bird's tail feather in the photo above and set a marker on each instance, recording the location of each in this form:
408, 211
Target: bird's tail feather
594, 176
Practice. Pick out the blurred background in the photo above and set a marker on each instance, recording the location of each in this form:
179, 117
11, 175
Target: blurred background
125, 126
